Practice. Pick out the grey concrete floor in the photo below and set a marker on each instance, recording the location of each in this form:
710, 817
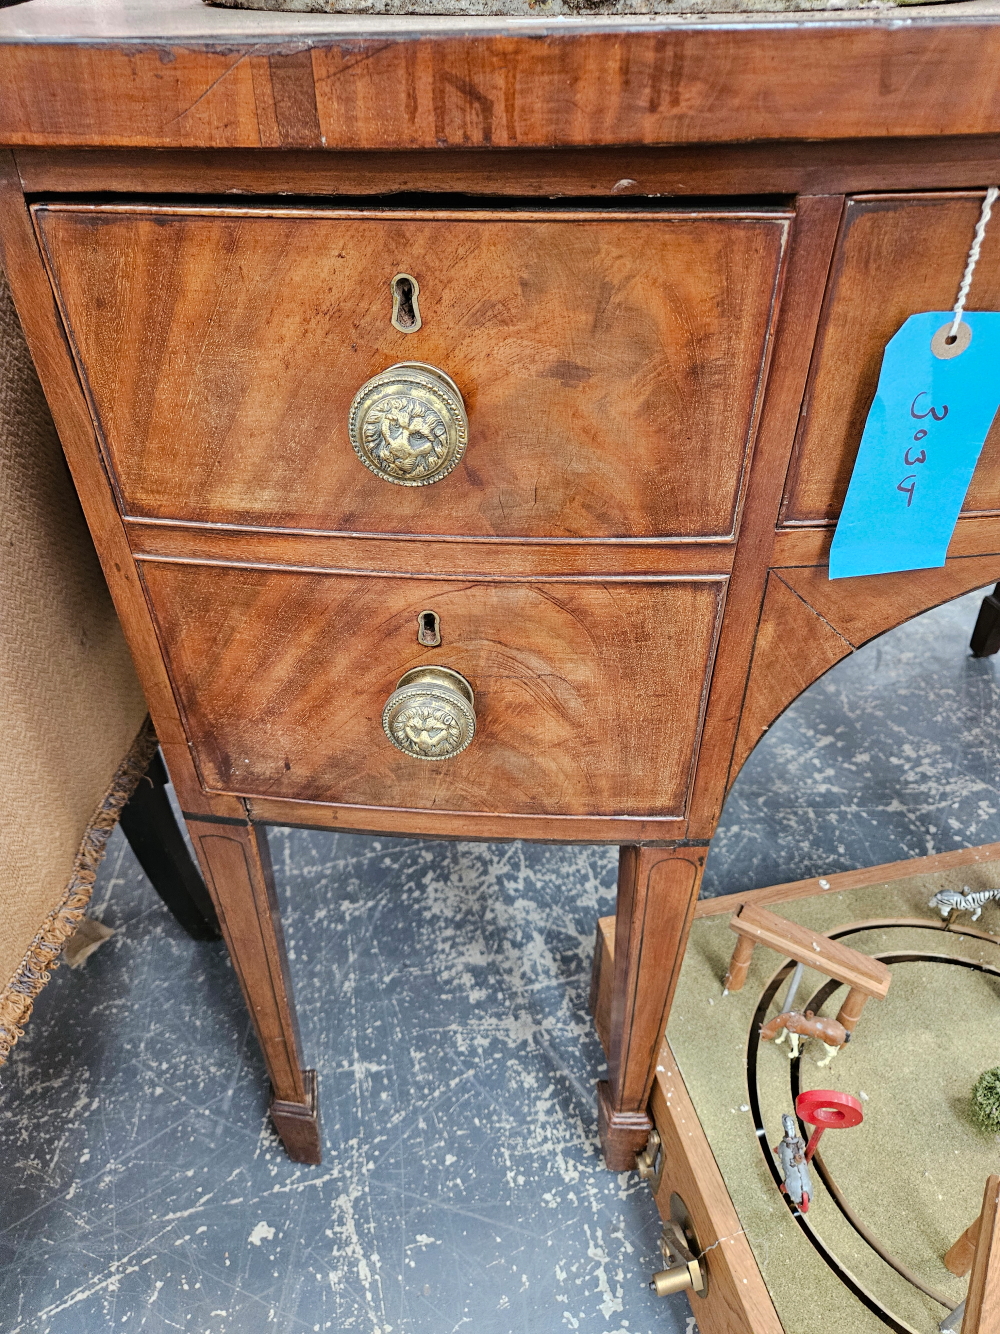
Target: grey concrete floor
442, 993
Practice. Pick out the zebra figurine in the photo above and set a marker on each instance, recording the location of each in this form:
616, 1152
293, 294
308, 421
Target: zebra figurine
950, 901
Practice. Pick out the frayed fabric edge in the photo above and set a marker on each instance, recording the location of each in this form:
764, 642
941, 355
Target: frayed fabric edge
44, 952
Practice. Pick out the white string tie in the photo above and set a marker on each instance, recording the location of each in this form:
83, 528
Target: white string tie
970, 264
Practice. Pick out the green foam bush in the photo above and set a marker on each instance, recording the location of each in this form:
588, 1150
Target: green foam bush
986, 1101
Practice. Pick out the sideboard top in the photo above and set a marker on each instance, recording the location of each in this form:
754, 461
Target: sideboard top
180, 74
86, 22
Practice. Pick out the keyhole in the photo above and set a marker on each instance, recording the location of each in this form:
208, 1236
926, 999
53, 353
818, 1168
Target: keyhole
429, 629
405, 310
404, 303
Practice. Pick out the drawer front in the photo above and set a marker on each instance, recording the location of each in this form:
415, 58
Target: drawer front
588, 693
897, 255
610, 364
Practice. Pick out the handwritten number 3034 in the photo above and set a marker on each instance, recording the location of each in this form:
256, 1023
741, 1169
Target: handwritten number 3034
909, 483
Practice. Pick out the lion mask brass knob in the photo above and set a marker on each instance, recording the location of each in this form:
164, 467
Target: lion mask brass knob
408, 424
430, 715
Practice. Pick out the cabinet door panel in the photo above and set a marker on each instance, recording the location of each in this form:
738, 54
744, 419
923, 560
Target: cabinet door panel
589, 694
897, 255
610, 365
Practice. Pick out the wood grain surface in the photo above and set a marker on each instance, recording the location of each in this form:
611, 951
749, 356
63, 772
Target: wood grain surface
809, 622
371, 85
657, 893
39, 317
602, 977
859, 971
588, 694
861, 608
238, 872
491, 558
473, 825
837, 882
610, 368
974, 535
982, 1304
237, 866
895, 256
737, 1301
813, 238
960, 1255
783, 167
793, 647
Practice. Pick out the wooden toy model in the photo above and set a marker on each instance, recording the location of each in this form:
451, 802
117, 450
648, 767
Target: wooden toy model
888, 1197
864, 976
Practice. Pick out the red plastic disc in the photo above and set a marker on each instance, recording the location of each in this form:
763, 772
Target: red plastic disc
829, 1108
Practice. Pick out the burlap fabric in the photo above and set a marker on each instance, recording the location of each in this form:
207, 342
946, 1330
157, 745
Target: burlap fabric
72, 732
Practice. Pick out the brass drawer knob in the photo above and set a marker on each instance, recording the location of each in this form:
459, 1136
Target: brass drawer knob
408, 424
430, 715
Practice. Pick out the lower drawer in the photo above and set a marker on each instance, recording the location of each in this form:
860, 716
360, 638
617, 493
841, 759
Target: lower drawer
589, 694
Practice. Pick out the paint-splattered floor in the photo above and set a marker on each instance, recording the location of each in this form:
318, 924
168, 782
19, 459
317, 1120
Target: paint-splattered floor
442, 994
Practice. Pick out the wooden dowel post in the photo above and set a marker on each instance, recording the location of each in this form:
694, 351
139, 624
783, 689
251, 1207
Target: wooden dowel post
739, 964
982, 1302
850, 1011
959, 1258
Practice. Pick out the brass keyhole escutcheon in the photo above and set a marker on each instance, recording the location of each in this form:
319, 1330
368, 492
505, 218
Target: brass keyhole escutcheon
408, 424
431, 714
405, 306
429, 629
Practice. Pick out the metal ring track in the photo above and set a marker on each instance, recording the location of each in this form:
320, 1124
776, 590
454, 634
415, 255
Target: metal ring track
825, 992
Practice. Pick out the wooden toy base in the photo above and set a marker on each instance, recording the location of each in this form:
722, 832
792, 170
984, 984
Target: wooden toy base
892, 1195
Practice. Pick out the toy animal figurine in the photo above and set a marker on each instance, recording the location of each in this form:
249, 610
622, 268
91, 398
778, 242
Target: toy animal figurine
950, 900
791, 1154
832, 1034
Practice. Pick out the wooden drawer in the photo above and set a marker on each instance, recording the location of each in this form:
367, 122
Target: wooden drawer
897, 255
610, 363
589, 693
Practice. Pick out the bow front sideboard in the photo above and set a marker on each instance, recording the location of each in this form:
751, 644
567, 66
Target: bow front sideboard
462, 410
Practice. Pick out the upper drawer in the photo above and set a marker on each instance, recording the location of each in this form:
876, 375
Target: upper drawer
610, 363
897, 255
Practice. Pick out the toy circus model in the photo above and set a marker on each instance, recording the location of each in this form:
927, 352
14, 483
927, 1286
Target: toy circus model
822, 1210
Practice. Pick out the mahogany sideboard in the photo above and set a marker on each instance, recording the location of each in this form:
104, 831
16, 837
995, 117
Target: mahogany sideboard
521, 362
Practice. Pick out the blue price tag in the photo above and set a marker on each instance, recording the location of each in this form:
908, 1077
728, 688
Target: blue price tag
933, 409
